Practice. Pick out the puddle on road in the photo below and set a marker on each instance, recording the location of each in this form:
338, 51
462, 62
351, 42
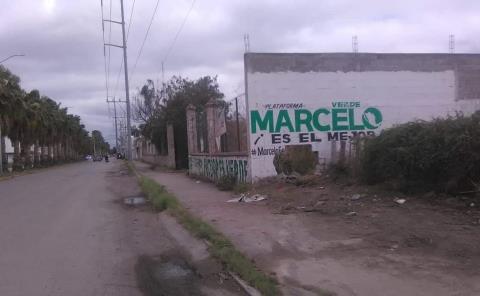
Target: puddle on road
172, 271
166, 276
135, 201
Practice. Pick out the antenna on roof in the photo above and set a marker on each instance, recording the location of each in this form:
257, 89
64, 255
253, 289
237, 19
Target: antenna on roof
246, 40
451, 43
355, 43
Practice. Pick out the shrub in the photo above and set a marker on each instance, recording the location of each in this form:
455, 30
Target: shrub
241, 188
295, 158
226, 183
442, 155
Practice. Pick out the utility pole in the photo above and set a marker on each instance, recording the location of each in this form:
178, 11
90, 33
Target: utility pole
115, 101
125, 68
246, 41
238, 124
127, 93
451, 43
94, 150
115, 118
1, 152
355, 44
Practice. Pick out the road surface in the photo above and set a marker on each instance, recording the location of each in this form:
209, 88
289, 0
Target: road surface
61, 233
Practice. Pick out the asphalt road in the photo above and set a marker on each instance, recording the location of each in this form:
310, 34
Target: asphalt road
63, 232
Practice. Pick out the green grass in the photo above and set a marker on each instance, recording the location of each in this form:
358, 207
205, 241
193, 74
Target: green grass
130, 167
219, 246
160, 198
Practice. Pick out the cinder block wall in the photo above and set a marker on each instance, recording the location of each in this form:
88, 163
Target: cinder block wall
284, 90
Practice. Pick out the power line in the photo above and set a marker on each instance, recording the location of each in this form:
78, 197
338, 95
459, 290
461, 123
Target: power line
179, 31
130, 20
145, 38
121, 64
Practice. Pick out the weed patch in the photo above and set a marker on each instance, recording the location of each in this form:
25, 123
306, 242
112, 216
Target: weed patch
295, 158
226, 183
241, 188
160, 198
130, 168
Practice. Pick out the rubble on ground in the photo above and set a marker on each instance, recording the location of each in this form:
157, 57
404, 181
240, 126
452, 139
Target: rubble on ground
244, 197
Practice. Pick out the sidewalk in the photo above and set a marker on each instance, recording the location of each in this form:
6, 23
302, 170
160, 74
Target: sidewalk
309, 253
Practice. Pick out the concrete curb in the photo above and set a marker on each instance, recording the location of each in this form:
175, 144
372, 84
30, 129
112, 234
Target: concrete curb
251, 291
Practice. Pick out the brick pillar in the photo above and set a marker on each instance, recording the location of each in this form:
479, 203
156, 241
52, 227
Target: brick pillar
210, 110
171, 146
192, 129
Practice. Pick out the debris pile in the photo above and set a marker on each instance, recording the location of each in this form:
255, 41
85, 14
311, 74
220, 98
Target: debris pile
244, 197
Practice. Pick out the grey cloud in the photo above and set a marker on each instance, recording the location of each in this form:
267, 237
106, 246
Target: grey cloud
65, 55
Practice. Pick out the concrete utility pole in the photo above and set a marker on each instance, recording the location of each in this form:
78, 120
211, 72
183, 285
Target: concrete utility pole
246, 41
451, 43
115, 101
127, 93
355, 44
116, 127
94, 150
1, 152
125, 68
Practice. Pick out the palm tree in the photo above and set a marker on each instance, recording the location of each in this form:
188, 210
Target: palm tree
10, 105
16, 121
44, 130
31, 120
29, 126
51, 110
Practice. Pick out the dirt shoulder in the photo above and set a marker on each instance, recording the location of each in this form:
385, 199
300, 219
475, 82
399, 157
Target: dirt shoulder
324, 237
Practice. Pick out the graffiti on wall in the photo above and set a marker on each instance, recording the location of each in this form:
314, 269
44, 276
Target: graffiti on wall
215, 168
292, 123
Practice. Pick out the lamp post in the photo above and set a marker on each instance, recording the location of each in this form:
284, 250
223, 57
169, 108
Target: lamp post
12, 56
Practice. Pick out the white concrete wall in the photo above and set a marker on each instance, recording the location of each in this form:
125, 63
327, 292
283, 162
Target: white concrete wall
401, 96
8, 145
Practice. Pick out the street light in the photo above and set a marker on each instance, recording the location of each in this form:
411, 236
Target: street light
12, 56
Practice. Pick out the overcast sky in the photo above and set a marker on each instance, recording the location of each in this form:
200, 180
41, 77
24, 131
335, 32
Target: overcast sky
62, 39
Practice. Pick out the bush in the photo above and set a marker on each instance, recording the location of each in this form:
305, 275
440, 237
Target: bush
442, 155
226, 183
295, 158
241, 188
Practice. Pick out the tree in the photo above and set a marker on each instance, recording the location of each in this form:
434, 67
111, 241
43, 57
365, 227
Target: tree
30, 119
100, 145
10, 105
147, 102
156, 109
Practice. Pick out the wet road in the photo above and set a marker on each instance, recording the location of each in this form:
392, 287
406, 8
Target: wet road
62, 233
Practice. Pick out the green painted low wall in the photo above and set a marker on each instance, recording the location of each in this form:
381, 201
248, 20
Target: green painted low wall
215, 167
